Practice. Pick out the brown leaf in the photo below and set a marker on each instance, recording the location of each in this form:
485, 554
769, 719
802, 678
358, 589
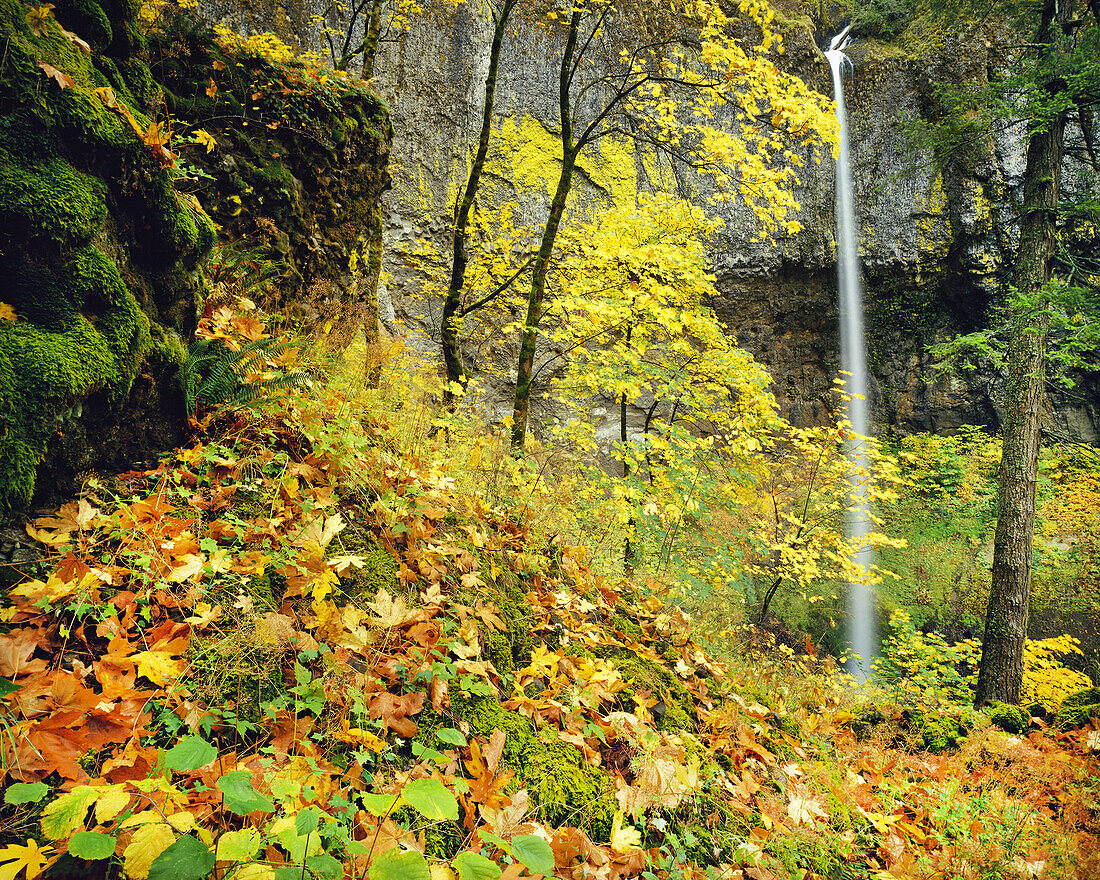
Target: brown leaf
63, 80
394, 711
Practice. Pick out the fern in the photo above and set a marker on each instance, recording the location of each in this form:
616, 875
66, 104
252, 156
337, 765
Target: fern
215, 376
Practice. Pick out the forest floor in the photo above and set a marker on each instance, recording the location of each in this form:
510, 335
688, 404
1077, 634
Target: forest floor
342, 635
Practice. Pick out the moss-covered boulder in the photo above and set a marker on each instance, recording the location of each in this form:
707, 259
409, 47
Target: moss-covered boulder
1010, 719
296, 161
98, 248
1078, 708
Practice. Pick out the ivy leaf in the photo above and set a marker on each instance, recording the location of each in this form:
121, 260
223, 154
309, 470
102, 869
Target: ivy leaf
25, 792
190, 753
430, 798
452, 737
396, 865
378, 804
307, 820
535, 853
91, 845
186, 859
240, 797
475, 866
325, 866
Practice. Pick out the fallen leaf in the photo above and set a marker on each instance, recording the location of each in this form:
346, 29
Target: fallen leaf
63, 80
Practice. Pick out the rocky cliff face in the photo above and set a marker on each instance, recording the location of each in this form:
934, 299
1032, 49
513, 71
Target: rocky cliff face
936, 245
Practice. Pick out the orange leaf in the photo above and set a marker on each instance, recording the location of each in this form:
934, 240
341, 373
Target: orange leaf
395, 711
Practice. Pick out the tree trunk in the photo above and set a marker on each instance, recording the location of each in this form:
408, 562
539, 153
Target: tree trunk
372, 335
1001, 670
452, 306
569, 152
522, 403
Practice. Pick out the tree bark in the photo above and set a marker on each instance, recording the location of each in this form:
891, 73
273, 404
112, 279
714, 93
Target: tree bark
452, 306
372, 366
1001, 671
539, 272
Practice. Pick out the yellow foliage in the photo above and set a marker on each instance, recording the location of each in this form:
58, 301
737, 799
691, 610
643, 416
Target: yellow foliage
1047, 679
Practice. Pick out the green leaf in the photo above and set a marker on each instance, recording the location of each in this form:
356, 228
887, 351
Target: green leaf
535, 853
25, 792
239, 846
91, 845
186, 859
378, 804
325, 866
190, 753
474, 866
240, 797
452, 737
307, 820
431, 800
491, 839
395, 865
63, 816
8, 687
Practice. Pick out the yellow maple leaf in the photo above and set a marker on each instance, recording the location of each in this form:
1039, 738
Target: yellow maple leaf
52, 591
7, 313
160, 667
15, 857
37, 18
204, 137
204, 615
624, 839
387, 610
803, 809
148, 842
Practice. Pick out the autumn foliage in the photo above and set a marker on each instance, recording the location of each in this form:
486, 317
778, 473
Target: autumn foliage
303, 643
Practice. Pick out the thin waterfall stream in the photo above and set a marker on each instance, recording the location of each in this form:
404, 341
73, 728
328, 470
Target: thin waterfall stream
853, 360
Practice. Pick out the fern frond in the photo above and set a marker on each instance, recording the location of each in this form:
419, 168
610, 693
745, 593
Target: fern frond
215, 376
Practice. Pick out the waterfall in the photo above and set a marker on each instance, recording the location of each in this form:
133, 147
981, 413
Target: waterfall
853, 359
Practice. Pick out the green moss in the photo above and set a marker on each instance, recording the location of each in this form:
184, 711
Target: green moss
938, 733
50, 200
1008, 718
86, 19
643, 674
79, 330
379, 571
1078, 708
564, 788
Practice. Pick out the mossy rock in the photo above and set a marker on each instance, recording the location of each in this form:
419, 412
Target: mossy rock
98, 249
938, 733
1078, 708
1009, 718
564, 789
675, 709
